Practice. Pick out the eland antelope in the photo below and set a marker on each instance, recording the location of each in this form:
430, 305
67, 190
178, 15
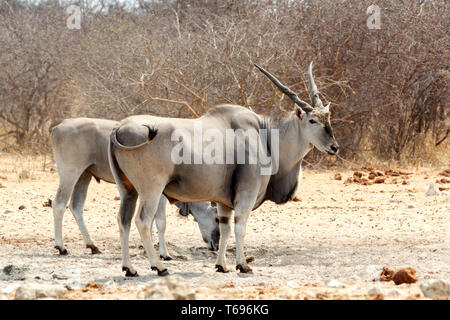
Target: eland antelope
80, 148
141, 155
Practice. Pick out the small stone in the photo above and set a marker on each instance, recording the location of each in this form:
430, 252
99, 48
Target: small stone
379, 180
357, 174
10, 288
169, 288
333, 284
436, 289
411, 206
375, 290
432, 190
39, 291
386, 274
405, 275
111, 284
47, 203
21, 207
59, 277
395, 293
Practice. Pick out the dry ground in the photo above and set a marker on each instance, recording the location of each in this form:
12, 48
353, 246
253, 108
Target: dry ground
339, 231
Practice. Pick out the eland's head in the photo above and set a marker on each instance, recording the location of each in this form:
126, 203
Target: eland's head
205, 214
315, 119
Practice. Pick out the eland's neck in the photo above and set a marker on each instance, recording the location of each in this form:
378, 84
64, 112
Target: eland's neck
293, 145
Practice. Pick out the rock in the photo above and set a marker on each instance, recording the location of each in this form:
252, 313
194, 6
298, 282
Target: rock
21, 207
333, 284
47, 203
337, 176
387, 274
432, 190
111, 284
8, 211
405, 275
169, 288
375, 291
379, 180
13, 272
357, 174
38, 291
436, 288
411, 206
10, 288
59, 277
395, 293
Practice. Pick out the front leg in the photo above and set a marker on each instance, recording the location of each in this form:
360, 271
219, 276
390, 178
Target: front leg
243, 206
224, 226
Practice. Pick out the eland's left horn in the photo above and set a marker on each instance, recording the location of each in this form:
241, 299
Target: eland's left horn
314, 92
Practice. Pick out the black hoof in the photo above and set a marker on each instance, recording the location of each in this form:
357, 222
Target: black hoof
62, 252
161, 273
166, 258
128, 273
244, 269
94, 249
221, 269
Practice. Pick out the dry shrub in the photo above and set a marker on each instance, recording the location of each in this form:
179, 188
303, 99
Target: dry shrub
388, 88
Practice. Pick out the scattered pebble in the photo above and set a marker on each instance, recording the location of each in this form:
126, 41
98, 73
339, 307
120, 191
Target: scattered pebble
33, 291
387, 274
432, 190
169, 288
436, 288
47, 203
405, 275
333, 284
395, 292
375, 290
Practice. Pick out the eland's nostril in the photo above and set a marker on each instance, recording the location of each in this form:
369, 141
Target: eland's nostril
334, 148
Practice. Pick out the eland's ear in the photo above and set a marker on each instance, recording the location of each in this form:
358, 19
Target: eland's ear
299, 112
327, 108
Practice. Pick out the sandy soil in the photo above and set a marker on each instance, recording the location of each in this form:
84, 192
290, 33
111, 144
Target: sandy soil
338, 231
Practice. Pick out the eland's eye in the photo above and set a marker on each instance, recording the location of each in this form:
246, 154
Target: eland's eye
312, 121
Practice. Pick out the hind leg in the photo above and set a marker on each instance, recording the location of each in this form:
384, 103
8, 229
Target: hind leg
77, 206
161, 227
128, 198
65, 188
144, 221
